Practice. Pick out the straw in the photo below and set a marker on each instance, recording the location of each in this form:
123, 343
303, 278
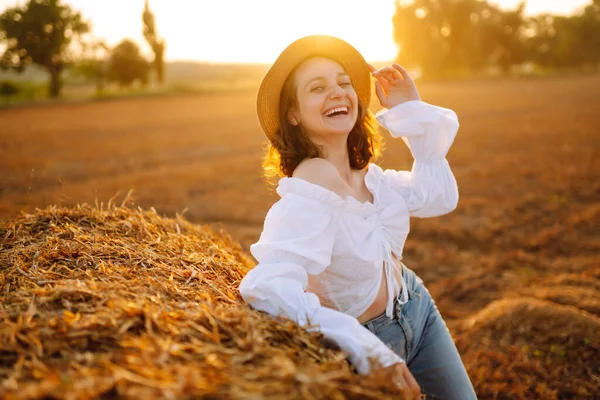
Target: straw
119, 302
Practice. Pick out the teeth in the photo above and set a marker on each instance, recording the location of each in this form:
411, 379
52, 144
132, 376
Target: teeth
338, 109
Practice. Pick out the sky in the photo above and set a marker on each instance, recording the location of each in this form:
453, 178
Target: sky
257, 30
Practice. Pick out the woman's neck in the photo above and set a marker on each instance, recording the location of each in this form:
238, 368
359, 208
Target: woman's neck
340, 158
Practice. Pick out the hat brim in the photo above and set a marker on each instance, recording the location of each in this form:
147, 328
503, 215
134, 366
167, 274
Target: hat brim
348, 57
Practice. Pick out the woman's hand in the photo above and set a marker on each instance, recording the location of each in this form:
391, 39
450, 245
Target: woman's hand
394, 86
400, 375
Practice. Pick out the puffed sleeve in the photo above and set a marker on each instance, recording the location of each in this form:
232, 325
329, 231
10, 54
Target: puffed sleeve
297, 240
430, 187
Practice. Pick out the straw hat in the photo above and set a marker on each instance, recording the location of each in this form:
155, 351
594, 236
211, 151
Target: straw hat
348, 57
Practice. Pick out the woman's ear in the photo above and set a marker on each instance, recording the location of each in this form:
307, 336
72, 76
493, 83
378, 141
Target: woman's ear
291, 115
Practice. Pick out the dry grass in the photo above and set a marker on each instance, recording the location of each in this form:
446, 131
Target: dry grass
118, 302
527, 160
525, 348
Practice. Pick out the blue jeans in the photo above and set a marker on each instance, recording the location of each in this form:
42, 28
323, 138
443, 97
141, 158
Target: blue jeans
419, 335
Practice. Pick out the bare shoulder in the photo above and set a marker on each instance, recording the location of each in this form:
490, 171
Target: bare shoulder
323, 173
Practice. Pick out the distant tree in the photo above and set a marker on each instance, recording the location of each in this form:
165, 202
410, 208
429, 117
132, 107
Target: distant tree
510, 27
553, 41
541, 40
444, 36
417, 32
565, 42
93, 63
40, 32
8, 89
589, 32
157, 44
126, 64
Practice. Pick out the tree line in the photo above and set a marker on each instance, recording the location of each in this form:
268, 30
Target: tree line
43, 32
450, 37
440, 37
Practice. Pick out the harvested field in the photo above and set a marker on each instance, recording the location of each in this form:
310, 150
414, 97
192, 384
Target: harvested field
515, 270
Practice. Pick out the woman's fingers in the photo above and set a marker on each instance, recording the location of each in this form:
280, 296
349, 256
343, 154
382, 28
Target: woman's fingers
379, 91
388, 74
413, 386
405, 390
393, 85
385, 85
396, 71
400, 376
393, 76
384, 81
403, 72
392, 72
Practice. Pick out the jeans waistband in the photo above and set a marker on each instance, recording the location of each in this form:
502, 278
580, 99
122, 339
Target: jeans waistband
382, 319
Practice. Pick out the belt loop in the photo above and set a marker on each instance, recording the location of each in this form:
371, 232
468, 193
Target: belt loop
370, 326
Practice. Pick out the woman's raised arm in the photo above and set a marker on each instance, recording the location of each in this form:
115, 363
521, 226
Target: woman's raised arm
430, 188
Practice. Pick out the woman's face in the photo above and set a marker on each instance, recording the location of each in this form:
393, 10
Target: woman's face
326, 103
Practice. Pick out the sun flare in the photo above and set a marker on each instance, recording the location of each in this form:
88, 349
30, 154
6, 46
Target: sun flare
244, 31
256, 31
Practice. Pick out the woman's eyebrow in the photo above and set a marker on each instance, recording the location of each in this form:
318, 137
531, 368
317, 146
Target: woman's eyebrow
317, 78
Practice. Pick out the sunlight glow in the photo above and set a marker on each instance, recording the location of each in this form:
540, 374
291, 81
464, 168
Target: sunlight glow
532, 7
257, 30
246, 31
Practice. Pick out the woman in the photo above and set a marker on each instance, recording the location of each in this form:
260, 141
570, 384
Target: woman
329, 254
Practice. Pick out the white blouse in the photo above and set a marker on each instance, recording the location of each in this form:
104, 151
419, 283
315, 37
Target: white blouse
321, 258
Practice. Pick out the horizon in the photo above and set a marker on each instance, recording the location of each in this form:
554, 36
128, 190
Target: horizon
260, 39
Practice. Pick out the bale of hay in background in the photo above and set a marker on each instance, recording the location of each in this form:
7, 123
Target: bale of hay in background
526, 348
117, 302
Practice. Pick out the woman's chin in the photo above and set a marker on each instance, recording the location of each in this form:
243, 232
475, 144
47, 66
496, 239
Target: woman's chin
337, 129
337, 132
340, 127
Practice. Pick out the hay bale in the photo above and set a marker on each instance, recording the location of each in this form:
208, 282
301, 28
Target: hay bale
528, 348
117, 302
581, 290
